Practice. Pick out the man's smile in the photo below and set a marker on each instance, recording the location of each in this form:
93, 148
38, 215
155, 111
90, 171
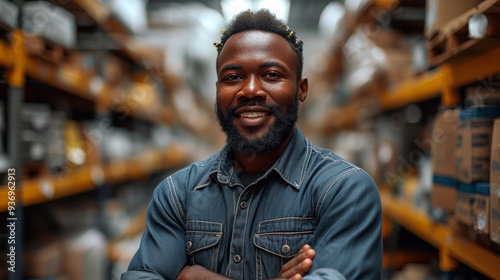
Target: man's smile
252, 115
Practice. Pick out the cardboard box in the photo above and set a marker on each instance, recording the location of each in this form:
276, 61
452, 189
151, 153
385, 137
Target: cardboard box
85, 256
443, 142
482, 208
495, 184
439, 12
51, 22
474, 132
43, 260
465, 204
8, 14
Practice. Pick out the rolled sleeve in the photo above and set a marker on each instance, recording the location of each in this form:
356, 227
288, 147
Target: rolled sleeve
161, 254
348, 239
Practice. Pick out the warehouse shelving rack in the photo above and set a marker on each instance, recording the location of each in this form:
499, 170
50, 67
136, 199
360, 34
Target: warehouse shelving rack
459, 69
77, 82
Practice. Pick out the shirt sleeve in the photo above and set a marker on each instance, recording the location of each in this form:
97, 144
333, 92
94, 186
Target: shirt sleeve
348, 241
161, 254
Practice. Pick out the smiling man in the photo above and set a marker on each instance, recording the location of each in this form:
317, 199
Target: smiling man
270, 204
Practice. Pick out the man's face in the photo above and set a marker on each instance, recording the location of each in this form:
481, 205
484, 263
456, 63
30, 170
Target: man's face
258, 91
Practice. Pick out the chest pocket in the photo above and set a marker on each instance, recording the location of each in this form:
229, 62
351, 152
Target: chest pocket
278, 241
203, 241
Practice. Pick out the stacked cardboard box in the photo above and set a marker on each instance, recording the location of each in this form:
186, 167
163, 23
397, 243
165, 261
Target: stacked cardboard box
494, 218
443, 142
473, 164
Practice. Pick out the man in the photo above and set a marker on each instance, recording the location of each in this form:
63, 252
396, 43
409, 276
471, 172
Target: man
269, 204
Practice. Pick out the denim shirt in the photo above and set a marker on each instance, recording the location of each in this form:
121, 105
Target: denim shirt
203, 215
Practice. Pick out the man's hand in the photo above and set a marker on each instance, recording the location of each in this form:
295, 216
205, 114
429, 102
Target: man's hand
197, 272
299, 265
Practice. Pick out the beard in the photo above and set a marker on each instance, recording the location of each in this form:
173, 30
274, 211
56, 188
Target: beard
277, 134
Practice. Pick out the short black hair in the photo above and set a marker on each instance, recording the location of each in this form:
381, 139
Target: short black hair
266, 21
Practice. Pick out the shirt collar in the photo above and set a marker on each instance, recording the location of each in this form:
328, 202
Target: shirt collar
291, 166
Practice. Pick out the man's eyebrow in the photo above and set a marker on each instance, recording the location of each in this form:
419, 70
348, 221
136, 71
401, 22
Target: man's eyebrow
272, 64
230, 67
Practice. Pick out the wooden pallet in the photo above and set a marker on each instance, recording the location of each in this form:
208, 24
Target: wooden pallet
37, 46
453, 39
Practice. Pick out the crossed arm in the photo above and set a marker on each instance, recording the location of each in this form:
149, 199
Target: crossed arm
292, 270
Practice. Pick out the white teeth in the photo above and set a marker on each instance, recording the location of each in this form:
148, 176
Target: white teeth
252, 114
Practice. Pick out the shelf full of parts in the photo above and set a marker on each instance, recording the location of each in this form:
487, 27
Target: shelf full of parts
85, 106
399, 70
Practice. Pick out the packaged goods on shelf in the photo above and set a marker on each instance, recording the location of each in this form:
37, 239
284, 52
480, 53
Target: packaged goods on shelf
474, 132
131, 13
55, 142
418, 51
495, 184
43, 260
75, 153
35, 119
440, 12
465, 204
481, 210
443, 142
51, 22
85, 255
370, 65
8, 13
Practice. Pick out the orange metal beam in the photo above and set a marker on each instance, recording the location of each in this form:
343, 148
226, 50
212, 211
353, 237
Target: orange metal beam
451, 246
85, 178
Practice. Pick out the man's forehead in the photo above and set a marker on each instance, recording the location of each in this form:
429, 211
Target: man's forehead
253, 39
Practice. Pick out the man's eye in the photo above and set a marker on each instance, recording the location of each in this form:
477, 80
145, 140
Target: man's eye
233, 78
272, 75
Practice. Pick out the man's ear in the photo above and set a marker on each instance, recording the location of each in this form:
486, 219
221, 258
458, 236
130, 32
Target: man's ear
303, 88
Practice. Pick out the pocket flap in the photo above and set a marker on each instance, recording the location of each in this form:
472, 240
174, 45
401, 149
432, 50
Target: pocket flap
202, 235
283, 244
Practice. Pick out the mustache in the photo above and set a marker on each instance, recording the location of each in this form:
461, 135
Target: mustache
274, 108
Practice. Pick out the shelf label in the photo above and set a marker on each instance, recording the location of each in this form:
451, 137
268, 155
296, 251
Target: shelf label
97, 175
95, 86
46, 188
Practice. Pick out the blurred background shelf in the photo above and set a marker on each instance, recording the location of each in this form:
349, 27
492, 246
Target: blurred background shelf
85, 178
451, 245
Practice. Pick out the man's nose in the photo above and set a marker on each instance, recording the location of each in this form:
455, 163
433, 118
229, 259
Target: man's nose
252, 89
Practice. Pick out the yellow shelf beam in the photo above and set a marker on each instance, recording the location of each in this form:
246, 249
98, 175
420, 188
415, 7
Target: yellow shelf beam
86, 178
6, 55
424, 87
444, 81
450, 245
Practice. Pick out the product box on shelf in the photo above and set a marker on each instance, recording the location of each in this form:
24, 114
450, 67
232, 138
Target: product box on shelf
481, 220
464, 212
439, 12
8, 14
474, 132
51, 22
43, 260
443, 142
131, 13
495, 184
85, 255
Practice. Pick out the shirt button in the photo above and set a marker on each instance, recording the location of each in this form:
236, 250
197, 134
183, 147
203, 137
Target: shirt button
237, 258
285, 249
243, 205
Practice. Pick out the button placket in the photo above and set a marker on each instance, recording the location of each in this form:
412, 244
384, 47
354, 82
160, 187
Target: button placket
238, 235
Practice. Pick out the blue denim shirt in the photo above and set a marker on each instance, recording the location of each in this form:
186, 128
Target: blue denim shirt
203, 215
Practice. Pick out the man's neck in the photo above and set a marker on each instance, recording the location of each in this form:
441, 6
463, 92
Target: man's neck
259, 162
